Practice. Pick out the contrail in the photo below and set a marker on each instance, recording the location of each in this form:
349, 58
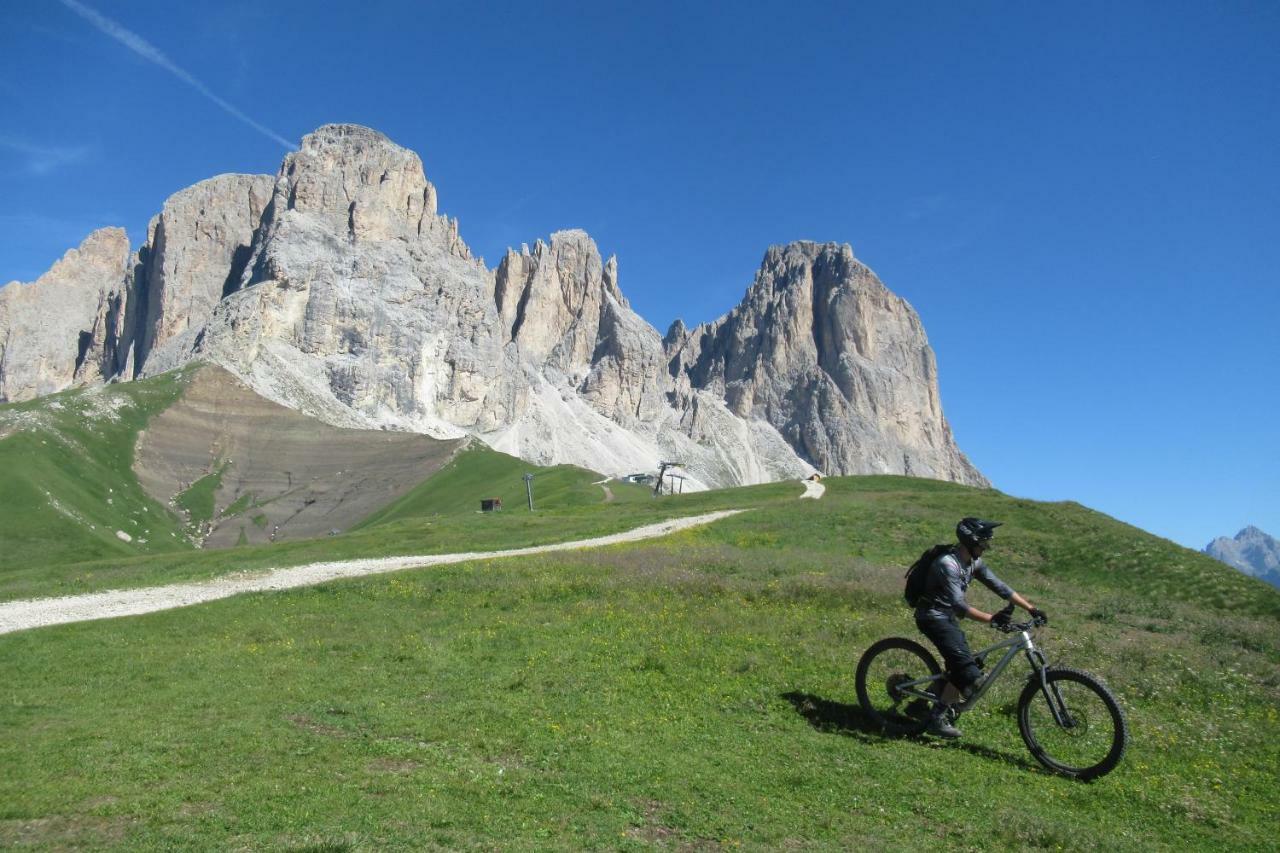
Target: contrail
41, 160
153, 54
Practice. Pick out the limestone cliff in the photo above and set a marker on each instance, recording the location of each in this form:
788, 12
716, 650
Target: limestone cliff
820, 349
61, 330
196, 252
361, 305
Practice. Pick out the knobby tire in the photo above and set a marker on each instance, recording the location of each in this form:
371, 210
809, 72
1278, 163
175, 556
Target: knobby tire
1089, 749
885, 659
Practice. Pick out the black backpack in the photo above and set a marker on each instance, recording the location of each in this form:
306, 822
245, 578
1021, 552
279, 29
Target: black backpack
918, 574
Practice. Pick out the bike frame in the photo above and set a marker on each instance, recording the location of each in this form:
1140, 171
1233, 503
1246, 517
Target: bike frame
1022, 642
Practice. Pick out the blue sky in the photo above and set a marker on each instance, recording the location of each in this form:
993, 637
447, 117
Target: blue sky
1081, 200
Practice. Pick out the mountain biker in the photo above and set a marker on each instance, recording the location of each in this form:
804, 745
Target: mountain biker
943, 602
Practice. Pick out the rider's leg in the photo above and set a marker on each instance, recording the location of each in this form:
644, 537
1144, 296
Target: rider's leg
962, 670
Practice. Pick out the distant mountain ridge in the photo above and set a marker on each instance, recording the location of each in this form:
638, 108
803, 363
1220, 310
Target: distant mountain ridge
1251, 551
338, 290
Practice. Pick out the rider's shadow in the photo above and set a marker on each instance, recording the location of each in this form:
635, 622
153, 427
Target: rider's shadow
832, 717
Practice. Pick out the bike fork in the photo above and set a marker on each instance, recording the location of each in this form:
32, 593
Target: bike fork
1058, 707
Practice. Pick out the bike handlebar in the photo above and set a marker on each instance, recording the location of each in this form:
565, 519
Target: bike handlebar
1015, 627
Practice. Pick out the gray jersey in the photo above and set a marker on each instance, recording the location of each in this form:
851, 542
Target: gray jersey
947, 581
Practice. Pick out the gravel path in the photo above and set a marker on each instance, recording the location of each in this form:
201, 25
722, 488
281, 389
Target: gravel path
36, 613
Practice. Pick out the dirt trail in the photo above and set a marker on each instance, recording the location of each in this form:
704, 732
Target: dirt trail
36, 613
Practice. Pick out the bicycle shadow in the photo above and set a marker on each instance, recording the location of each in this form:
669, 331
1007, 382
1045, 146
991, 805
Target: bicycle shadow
830, 717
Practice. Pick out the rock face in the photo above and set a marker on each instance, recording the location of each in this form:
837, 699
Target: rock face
62, 329
338, 290
196, 251
360, 305
1251, 551
820, 349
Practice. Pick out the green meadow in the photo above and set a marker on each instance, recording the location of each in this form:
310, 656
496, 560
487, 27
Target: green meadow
691, 692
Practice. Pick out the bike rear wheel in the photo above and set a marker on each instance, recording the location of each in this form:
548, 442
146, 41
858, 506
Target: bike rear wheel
1091, 740
883, 667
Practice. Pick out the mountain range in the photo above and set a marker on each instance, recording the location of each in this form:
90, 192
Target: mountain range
1251, 551
335, 288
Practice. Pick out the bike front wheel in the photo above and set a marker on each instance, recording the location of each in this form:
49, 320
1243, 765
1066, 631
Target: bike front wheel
885, 669
1087, 736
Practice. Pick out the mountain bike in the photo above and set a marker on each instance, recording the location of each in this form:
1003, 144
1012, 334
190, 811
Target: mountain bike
1069, 720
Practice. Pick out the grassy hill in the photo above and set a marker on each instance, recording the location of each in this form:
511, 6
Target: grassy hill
691, 692
480, 473
66, 479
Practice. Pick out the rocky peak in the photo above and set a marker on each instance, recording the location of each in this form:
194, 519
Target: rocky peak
808, 300
839, 365
551, 299
1251, 551
60, 329
364, 185
676, 334
359, 180
102, 249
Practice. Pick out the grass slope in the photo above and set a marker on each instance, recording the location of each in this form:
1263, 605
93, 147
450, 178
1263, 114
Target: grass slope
66, 478
694, 692
479, 473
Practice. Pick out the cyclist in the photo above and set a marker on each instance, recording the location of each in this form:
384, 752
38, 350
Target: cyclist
943, 603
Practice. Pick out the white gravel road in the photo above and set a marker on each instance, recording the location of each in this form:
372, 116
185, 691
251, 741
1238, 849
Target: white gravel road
36, 613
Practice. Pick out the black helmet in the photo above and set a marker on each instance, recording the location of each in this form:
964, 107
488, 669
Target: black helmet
975, 531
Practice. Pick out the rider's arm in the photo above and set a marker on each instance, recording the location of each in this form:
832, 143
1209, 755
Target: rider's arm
988, 578
977, 615
982, 572
1022, 602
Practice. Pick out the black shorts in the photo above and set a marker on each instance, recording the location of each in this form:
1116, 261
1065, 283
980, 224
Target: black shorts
945, 633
